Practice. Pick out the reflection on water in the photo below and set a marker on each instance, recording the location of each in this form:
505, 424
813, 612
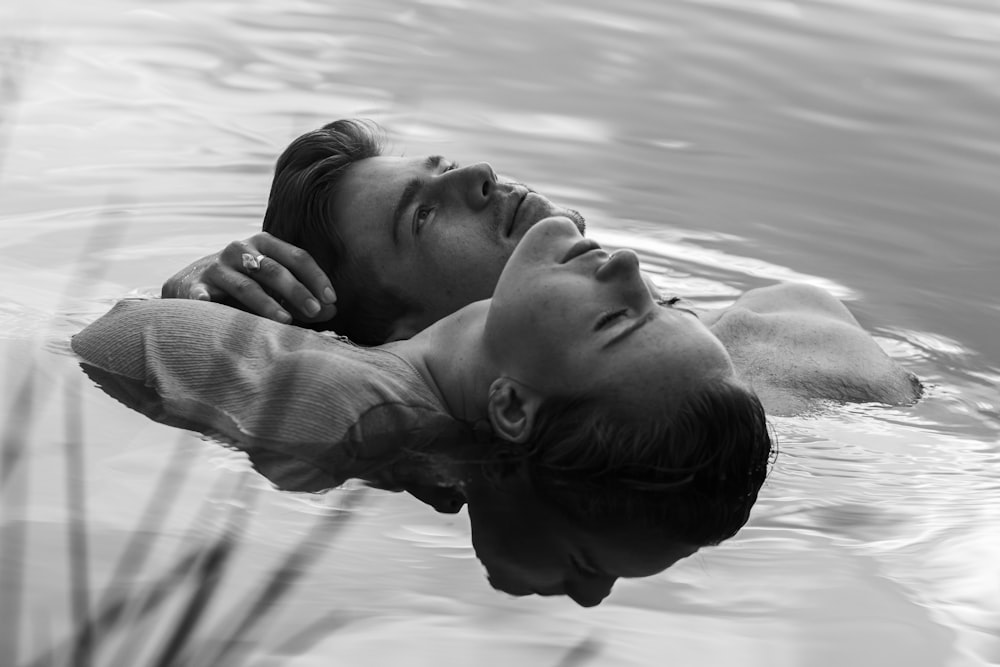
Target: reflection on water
849, 144
540, 524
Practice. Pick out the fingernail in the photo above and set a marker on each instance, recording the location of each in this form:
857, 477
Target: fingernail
328, 295
282, 316
312, 307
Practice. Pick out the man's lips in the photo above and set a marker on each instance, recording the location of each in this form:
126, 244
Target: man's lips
529, 209
518, 200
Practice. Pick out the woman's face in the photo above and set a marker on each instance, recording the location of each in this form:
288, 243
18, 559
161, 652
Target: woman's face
529, 546
568, 319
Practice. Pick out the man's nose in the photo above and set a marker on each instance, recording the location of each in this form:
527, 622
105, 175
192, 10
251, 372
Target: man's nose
476, 182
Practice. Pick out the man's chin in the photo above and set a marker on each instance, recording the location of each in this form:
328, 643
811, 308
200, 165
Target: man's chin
577, 218
534, 208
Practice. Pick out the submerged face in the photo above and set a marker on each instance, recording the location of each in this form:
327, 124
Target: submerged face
568, 319
529, 547
432, 233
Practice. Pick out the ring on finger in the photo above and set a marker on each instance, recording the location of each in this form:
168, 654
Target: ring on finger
251, 263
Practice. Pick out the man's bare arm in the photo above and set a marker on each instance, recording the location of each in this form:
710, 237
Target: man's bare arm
286, 283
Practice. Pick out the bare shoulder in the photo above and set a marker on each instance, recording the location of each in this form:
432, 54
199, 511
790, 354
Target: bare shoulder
794, 297
795, 343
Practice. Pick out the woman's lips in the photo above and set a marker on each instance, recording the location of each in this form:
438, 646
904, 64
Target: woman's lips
579, 248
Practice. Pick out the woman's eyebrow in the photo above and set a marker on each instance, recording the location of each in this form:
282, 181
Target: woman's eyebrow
632, 328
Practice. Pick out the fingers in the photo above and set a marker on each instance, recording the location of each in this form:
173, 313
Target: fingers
188, 283
300, 264
265, 275
200, 292
246, 291
275, 279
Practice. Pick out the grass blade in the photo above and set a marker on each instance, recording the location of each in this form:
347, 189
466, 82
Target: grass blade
79, 561
126, 653
138, 548
295, 563
141, 603
14, 530
19, 422
207, 580
584, 651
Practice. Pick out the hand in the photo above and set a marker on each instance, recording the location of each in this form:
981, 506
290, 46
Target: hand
286, 283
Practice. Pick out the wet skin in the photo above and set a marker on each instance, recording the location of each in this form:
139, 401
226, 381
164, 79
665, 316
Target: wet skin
566, 319
585, 322
434, 234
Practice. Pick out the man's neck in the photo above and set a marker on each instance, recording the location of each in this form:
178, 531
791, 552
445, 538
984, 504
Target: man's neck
451, 357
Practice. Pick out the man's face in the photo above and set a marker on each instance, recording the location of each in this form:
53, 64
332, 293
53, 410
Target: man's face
432, 233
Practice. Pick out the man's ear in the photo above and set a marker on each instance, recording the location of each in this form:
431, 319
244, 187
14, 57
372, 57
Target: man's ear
512, 408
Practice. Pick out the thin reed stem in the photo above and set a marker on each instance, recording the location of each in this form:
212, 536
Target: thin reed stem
79, 555
297, 561
14, 529
206, 581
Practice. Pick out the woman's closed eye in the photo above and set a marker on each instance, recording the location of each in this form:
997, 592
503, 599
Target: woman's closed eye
609, 317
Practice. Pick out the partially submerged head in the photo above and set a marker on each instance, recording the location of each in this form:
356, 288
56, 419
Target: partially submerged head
531, 545
622, 497
625, 415
406, 241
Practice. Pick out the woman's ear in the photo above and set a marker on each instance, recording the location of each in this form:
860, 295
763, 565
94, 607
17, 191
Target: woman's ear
512, 408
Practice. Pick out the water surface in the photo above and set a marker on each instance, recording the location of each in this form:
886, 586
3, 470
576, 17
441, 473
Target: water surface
849, 144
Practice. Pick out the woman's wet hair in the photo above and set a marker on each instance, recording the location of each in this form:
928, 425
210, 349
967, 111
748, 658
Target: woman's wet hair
692, 476
307, 179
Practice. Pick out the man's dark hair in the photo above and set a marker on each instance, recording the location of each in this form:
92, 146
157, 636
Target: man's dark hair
691, 477
307, 179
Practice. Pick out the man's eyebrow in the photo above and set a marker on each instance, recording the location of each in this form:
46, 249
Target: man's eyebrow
632, 328
410, 192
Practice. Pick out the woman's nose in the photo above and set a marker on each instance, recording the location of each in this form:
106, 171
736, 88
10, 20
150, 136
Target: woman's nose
622, 264
476, 182
590, 592
621, 271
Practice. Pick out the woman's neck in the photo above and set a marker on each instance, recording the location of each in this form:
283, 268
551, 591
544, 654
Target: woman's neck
451, 358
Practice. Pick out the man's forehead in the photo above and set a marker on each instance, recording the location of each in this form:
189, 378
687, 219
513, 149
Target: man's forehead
368, 181
390, 166
374, 184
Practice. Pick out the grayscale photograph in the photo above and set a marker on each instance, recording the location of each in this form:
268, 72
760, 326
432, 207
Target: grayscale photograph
438, 333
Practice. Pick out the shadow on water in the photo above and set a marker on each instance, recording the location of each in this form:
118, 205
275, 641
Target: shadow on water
142, 613
110, 622
145, 614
